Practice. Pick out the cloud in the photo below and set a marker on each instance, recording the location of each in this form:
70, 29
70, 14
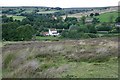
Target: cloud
60, 3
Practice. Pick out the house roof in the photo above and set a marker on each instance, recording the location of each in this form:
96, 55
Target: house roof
53, 29
45, 33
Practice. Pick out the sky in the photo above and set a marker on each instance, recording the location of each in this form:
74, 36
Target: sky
60, 3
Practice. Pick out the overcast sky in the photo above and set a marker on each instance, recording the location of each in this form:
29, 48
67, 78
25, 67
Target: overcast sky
60, 3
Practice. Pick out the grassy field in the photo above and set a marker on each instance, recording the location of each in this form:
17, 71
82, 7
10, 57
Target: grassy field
105, 17
77, 15
48, 12
92, 70
49, 38
89, 58
30, 10
108, 35
17, 17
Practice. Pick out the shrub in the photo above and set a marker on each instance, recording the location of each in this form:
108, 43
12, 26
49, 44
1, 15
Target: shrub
91, 28
104, 27
74, 35
91, 35
8, 59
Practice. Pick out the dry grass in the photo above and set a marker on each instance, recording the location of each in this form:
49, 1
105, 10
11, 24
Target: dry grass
59, 58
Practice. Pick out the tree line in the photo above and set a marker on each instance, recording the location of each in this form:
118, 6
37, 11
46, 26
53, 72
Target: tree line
34, 24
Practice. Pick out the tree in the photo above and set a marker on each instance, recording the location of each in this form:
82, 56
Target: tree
73, 27
9, 31
71, 19
91, 28
95, 20
64, 33
104, 27
117, 19
83, 29
25, 32
97, 14
6, 19
12, 31
91, 14
11, 19
25, 21
83, 19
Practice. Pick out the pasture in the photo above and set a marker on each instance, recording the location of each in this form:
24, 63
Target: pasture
77, 15
105, 17
46, 38
47, 12
16, 17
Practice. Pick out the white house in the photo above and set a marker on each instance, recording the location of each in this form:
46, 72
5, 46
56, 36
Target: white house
53, 32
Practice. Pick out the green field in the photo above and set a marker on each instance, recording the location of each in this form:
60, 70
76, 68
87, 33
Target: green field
48, 12
77, 15
16, 17
49, 38
29, 10
92, 70
105, 17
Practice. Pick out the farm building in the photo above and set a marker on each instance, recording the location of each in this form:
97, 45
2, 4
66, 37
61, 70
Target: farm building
51, 32
45, 33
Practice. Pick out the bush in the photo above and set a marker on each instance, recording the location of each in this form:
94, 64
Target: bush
114, 31
97, 14
84, 36
83, 29
104, 27
91, 28
92, 35
110, 35
74, 35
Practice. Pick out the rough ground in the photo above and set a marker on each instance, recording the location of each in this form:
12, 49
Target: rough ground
90, 58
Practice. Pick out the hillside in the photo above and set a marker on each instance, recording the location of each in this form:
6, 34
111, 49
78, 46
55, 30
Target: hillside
104, 13
72, 12
105, 17
89, 58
